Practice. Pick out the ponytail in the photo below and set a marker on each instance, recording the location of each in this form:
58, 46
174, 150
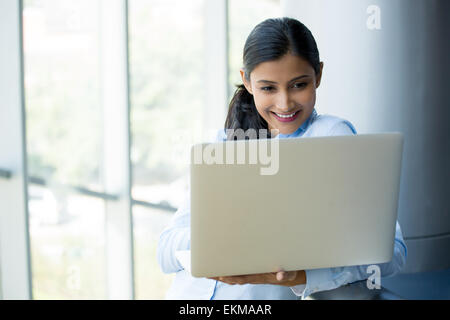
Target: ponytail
242, 113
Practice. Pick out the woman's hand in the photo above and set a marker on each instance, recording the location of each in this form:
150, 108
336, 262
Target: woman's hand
281, 278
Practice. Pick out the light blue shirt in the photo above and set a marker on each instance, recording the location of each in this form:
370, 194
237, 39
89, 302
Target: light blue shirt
177, 237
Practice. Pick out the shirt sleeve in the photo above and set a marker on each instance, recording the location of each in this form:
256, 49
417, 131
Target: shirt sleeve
342, 128
177, 235
332, 278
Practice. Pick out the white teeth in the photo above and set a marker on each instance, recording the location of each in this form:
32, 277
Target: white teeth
285, 116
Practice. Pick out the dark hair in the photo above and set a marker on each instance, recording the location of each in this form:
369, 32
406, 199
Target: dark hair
269, 40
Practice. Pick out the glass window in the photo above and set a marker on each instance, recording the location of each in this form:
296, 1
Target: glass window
64, 144
148, 223
166, 62
65, 134
67, 244
63, 108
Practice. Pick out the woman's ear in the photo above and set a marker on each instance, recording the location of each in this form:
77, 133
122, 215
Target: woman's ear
245, 82
319, 76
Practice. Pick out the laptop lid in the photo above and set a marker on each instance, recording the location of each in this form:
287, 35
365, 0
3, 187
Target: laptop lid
329, 201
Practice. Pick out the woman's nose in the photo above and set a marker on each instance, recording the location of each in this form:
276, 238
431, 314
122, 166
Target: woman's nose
284, 103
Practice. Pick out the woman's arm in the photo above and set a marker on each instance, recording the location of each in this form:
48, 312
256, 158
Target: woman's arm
332, 278
305, 282
310, 281
281, 278
174, 237
177, 235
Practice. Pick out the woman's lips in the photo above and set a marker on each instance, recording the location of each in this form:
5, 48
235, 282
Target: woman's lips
286, 119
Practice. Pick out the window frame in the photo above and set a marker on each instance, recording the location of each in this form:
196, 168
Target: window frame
15, 255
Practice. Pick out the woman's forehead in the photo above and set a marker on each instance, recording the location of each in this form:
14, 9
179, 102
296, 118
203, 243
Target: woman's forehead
282, 70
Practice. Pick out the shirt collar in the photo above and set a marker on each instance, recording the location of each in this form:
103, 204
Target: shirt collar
302, 128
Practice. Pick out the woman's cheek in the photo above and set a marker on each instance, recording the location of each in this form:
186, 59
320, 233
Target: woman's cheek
263, 104
306, 98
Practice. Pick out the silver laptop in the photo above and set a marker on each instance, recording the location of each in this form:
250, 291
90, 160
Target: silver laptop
305, 203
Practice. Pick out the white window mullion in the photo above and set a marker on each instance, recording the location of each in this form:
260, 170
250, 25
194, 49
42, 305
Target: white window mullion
15, 270
216, 65
116, 164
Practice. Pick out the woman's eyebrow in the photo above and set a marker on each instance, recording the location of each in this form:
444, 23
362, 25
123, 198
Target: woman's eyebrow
294, 79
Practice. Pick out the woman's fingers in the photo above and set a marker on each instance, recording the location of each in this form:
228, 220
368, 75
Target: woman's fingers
244, 279
261, 278
280, 275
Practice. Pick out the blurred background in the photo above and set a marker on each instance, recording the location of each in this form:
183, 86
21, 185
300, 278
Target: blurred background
70, 111
100, 100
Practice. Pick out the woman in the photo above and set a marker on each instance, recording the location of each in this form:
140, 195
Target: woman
281, 73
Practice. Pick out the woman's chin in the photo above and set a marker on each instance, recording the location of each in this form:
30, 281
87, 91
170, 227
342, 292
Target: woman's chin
288, 128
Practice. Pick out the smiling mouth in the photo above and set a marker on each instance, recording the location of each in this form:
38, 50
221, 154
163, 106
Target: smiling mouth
287, 117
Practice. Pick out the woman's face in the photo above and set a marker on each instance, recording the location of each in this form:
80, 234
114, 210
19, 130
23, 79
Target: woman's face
284, 91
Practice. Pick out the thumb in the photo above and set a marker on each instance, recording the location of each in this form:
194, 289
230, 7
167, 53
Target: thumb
286, 275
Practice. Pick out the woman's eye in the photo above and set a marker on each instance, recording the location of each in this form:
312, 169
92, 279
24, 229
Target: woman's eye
267, 88
300, 85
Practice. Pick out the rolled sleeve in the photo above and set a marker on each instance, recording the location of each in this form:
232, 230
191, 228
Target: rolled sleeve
332, 278
316, 280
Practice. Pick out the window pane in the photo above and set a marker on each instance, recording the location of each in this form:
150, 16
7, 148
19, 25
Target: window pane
166, 62
148, 223
243, 16
64, 144
62, 90
167, 97
67, 244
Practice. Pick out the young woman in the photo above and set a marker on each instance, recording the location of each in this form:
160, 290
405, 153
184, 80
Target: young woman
281, 73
